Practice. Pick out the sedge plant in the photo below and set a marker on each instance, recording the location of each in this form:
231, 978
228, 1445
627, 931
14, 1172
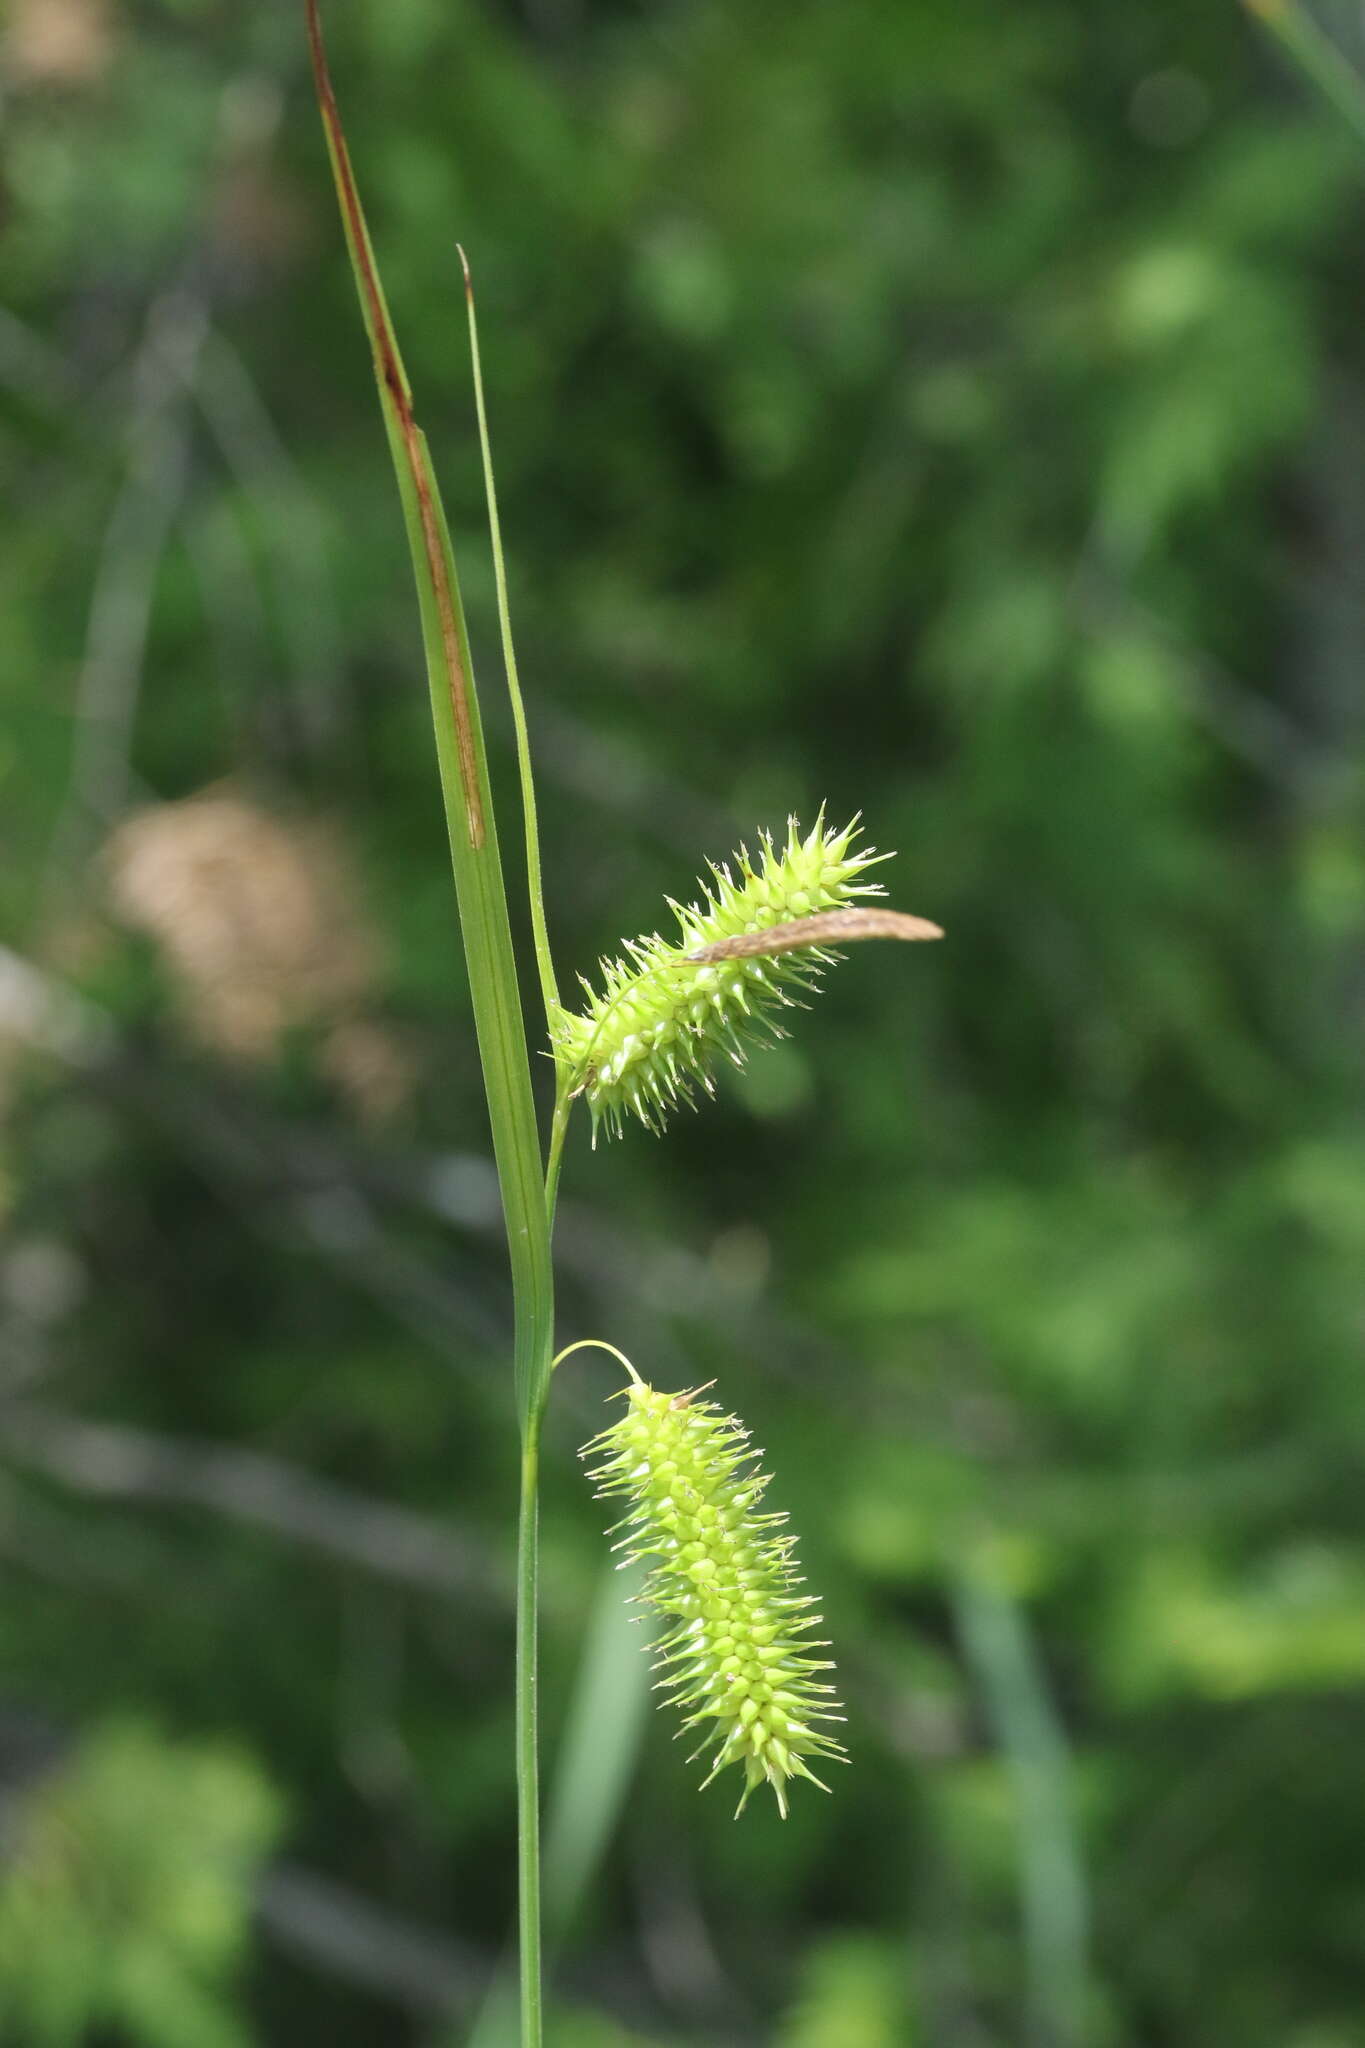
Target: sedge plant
738, 1652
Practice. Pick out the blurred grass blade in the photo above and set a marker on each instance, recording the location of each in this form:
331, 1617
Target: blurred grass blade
464, 784
600, 1745
1317, 56
1006, 1667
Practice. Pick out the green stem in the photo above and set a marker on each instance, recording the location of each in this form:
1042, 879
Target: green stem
527, 1671
487, 935
528, 1741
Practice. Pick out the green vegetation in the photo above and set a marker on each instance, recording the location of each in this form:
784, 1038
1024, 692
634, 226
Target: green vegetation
955, 413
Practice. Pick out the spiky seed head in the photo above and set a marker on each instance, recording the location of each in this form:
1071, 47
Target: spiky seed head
738, 1654
662, 1020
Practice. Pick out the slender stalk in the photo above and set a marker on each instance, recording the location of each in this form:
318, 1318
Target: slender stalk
597, 1344
558, 1129
548, 986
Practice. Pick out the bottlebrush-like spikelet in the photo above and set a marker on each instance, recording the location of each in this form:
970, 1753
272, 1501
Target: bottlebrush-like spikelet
738, 1655
655, 1030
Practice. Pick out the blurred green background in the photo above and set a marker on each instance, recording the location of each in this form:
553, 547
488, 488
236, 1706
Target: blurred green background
953, 412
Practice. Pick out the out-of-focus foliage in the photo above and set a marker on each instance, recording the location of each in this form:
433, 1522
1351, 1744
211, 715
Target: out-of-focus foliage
127, 1898
956, 413
850, 1996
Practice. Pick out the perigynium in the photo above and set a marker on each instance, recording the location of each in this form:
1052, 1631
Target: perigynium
656, 1029
737, 1656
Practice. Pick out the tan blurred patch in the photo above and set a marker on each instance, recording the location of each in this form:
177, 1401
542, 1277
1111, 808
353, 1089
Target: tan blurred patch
370, 1066
58, 42
260, 927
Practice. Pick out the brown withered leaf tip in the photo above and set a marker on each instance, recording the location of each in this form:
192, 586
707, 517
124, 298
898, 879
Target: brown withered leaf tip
830, 928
